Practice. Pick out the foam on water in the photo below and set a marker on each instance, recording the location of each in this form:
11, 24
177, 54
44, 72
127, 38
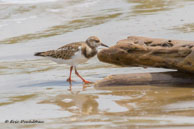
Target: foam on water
86, 3
24, 1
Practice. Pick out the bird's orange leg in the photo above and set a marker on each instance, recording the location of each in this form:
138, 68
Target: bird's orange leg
69, 79
86, 82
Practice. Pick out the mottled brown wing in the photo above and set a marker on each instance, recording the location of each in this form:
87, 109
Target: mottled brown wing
64, 52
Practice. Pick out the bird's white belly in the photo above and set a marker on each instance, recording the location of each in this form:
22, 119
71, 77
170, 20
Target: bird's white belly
78, 58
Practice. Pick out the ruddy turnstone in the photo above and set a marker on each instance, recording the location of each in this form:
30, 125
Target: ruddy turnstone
74, 54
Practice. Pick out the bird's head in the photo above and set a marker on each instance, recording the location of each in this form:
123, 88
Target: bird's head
94, 42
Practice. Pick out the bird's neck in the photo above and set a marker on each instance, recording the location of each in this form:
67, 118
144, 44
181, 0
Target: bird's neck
88, 51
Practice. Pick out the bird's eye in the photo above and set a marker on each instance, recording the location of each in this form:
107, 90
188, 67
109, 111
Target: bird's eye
97, 41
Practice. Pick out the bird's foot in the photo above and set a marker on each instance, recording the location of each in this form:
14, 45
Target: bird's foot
87, 82
69, 80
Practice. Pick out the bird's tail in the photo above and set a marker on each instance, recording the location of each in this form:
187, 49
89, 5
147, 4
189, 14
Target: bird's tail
39, 54
46, 53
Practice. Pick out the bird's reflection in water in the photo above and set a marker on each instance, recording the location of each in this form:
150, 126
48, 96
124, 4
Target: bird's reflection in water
84, 86
74, 101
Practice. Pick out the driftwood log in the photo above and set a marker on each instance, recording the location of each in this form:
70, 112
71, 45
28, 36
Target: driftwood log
142, 51
150, 52
152, 79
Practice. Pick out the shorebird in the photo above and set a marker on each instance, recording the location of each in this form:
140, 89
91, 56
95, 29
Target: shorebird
74, 54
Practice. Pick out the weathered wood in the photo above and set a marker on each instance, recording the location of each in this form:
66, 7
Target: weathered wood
142, 51
138, 79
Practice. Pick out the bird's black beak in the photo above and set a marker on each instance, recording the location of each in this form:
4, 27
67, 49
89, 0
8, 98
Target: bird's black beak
102, 44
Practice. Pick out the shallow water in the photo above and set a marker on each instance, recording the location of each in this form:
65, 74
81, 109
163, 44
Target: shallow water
33, 88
